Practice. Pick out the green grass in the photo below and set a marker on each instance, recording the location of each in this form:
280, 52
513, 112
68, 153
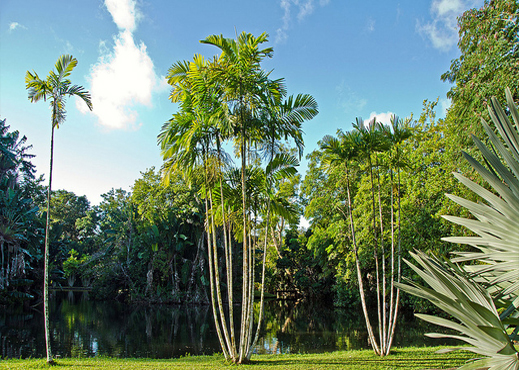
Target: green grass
400, 358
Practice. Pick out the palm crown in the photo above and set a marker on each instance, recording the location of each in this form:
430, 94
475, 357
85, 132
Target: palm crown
56, 87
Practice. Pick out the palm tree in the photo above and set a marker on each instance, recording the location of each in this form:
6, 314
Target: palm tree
373, 142
232, 98
246, 88
342, 151
56, 88
399, 131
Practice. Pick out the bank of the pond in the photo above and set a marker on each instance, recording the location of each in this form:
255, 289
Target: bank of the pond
409, 358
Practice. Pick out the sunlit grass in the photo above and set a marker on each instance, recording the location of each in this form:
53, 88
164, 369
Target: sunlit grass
400, 358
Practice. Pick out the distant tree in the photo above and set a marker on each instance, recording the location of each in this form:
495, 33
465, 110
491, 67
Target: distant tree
65, 209
56, 87
19, 219
489, 62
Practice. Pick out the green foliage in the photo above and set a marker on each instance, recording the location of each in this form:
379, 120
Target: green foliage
20, 224
489, 62
471, 294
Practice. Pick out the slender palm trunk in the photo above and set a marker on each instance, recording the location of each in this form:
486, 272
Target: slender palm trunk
228, 261
371, 335
213, 265
383, 343
217, 283
391, 296
46, 259
246, 282
375, 251
229, 268
399, 258
262, 285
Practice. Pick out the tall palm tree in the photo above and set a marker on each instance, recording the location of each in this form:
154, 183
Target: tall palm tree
55, 88
399, 131
246, 88
373, 142
187, 142
342, 151
229, 97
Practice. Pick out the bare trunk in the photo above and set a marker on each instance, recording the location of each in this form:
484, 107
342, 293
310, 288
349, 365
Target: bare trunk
262, 285
217, 284
383, 335
391, 296
375, 252
371, 335
46, 260
213, 265
399, 259
245, 285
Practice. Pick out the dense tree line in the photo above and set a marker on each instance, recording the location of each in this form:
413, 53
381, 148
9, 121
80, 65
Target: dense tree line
147, 244
203, 230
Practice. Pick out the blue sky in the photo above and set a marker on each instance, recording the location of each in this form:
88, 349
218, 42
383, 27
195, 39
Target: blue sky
358, 59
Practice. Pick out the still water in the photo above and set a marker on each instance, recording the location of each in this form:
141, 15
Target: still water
82, 328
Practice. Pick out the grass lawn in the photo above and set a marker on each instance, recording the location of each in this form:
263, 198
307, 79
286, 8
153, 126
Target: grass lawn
400, 358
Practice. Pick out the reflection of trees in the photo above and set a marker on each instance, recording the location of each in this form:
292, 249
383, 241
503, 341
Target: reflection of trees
20, 334
84, 328
114, 329
311, 326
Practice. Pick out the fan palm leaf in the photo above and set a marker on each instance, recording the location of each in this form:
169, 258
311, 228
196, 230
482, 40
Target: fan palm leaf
472, 294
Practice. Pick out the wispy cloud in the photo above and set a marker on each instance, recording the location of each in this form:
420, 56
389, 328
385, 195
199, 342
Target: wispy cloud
14, 25
442, 30
124, 77
370, 25
348, 100
384, 118
302, 8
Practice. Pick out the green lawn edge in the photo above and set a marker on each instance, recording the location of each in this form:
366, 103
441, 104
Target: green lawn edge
400, 358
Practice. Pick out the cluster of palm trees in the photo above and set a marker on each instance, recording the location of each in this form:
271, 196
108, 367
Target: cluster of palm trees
377, 149
230, 99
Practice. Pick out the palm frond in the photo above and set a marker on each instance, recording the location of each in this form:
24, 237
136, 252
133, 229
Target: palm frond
477, 319
471, 294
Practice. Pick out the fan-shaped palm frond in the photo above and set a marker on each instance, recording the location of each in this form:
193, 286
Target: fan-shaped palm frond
472, 294
479, 324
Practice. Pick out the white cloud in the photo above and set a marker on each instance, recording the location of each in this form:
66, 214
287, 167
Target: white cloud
384, 118
303, 8
442, 31
15, 25
124, 13
124, 77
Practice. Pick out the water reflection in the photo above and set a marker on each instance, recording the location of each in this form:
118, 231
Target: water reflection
85, 328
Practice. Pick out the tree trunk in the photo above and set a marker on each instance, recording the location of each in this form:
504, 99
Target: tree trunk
228, 260
212, 266
383, 342
375, 252
371, 335
245, 285
262, 285
46, 259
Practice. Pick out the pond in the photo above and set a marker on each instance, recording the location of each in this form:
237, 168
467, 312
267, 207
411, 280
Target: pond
82, 328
